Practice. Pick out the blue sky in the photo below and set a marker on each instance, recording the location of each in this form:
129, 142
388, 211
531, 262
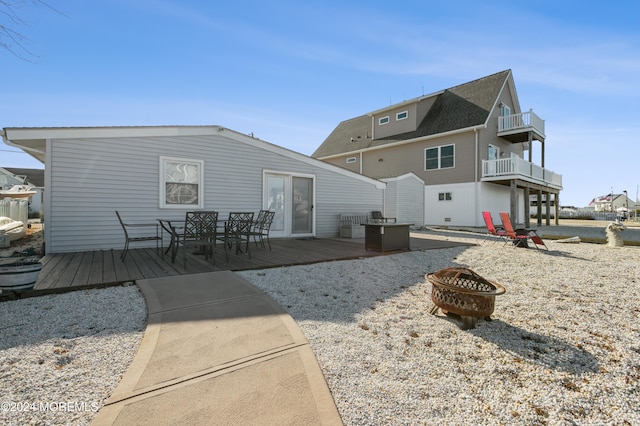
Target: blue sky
290, 71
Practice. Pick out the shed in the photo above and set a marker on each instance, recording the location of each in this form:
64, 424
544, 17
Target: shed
404, 199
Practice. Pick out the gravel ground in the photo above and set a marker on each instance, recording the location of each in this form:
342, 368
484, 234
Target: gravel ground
563, 347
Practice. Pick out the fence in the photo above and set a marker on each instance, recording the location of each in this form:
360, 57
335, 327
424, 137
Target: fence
610, 216
16, 209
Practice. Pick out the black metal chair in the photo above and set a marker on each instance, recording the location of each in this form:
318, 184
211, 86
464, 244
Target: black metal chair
237, 230
377, 217
200, 230
138, 232
261, 227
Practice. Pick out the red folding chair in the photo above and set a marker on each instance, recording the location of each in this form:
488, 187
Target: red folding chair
520, 234
492, 229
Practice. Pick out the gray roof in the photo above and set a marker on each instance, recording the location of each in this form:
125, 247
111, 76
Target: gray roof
35, 177
458, 107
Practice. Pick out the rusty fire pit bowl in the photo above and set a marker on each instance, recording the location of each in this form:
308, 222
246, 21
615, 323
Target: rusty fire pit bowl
463, 292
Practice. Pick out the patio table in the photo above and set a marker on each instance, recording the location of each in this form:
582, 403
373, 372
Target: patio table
386, 236
171, 226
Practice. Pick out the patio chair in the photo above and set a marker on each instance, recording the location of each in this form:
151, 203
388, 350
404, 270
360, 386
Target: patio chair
520, 236
200, 230
138, 232
377, 217
261, 227
237, 230
492, 229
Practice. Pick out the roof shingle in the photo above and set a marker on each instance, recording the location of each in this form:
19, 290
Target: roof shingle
458, 107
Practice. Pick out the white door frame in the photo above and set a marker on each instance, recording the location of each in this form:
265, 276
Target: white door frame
286, 230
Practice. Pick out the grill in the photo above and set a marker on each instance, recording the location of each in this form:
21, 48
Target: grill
462, 292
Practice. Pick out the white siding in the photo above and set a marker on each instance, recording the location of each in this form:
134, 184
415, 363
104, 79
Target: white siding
467, 204
391, 198
404, 199
91, 178
496, 199
459, 211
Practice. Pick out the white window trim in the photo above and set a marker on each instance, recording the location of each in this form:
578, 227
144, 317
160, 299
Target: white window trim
439, 147
164, 161
406, 115
351, 160
380, 123
444, 196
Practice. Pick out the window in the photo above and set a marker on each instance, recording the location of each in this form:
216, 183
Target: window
383, 120
440, 157
402, 115
444, 196
181, 183
351, 160
505, 118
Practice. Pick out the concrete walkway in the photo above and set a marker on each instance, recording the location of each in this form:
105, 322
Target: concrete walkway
218, 350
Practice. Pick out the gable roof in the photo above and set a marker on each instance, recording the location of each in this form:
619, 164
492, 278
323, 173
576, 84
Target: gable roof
33, 141
460, 107
35, 177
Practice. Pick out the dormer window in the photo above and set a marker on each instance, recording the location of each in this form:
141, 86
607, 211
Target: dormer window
402, 115
383, 120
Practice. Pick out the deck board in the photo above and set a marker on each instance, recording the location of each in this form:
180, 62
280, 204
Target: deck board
100, 268
95, 272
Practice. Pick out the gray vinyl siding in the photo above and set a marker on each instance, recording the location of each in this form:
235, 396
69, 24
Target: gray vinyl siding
91, 178
394, 127
337, 196
400, 159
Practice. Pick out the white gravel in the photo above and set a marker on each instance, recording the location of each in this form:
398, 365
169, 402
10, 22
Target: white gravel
563, 347
61, 356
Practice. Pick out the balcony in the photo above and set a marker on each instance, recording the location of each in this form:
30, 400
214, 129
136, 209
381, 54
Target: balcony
516, 127
505, 169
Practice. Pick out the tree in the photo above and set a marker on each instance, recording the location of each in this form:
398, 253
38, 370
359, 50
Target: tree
13, 39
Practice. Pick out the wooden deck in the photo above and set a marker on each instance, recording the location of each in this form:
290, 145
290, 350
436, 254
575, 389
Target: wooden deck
63, 272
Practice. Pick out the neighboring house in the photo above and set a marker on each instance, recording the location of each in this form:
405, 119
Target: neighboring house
34, 178
467, 144
612, 203
149, 173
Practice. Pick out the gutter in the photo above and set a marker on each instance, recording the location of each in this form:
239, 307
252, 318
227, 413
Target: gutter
475, 174
31, 151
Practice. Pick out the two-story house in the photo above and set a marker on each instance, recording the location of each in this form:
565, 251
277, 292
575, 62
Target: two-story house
451, 154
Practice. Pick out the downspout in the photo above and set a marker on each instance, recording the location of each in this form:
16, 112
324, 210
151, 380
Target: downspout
476, 195
361, 169
384, 199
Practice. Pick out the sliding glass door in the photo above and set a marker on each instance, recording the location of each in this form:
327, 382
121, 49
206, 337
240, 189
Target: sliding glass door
291, 197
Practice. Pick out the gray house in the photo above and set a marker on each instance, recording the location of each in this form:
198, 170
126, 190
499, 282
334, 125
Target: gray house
471, 145
150, 173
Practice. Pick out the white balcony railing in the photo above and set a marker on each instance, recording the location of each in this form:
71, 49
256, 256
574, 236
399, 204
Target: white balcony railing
522, 121
516, 167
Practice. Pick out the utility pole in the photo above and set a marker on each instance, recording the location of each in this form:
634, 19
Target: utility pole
611, 199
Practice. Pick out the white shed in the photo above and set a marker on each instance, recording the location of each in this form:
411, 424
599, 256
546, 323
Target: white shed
404, 199
150, 173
